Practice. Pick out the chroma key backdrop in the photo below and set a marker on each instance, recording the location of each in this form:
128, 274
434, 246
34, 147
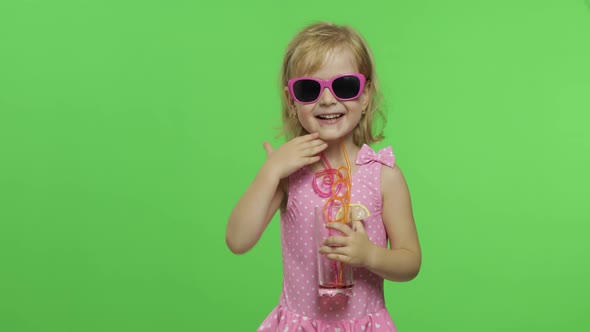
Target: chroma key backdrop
129, 129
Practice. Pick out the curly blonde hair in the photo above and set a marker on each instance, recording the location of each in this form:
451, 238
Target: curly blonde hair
306, 53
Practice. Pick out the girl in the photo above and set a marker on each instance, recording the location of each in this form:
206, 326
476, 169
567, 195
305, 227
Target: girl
329, 103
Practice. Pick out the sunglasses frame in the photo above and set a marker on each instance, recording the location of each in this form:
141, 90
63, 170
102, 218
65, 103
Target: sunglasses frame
326, 84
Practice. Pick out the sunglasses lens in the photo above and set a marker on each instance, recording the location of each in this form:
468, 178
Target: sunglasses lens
306, 90
346, 87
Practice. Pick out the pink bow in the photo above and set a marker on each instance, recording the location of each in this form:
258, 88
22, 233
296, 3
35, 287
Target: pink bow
366, 155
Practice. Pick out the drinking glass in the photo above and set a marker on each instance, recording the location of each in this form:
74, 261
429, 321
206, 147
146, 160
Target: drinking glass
334, 277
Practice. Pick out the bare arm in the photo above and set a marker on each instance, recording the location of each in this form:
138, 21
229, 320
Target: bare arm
253, 212
260, 202
402, 261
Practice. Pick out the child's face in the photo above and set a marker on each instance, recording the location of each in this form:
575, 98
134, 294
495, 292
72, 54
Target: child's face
332, 118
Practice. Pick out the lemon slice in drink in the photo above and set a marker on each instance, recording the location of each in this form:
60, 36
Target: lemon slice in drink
357, 212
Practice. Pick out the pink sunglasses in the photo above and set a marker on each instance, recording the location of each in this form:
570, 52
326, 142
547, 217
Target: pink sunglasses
307, 90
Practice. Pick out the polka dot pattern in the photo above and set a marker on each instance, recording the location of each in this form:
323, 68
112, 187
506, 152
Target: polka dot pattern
300, 302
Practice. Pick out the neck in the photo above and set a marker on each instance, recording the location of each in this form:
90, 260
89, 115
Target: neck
334, 152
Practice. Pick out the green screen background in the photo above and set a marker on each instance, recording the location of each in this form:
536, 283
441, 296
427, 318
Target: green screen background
129, 129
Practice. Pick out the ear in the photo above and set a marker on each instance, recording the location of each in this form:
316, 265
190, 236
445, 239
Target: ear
287, 96
290, 103
366, 96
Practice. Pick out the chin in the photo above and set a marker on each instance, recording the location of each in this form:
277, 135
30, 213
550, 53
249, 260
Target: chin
333, 137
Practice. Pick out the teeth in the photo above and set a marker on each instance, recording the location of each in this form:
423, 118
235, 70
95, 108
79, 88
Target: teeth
330, 116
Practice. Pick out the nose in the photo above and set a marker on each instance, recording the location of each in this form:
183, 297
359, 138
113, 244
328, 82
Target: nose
327, 98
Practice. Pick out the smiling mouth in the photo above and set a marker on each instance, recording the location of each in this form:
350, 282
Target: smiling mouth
329, 116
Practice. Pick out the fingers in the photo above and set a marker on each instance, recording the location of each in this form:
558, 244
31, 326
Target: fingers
313, 152
311, 160
326, 250
315, 143
339, 258
268, 148
301, 151
316, 147
308, 142
310, 147
309, 137
336, 241
342, 227
337, 254
306, 138
359, 226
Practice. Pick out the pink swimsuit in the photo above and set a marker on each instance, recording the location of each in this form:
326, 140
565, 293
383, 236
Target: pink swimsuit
300, 307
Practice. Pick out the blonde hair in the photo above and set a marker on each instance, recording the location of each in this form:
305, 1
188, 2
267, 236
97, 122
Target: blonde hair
306, 53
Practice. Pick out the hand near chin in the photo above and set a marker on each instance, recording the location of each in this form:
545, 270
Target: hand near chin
291, 156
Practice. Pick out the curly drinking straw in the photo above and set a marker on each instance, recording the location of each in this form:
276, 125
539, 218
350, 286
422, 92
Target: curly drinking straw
339, 194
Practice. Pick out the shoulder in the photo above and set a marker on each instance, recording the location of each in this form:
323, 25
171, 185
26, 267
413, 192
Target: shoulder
393, 181
392, 178
391, 175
